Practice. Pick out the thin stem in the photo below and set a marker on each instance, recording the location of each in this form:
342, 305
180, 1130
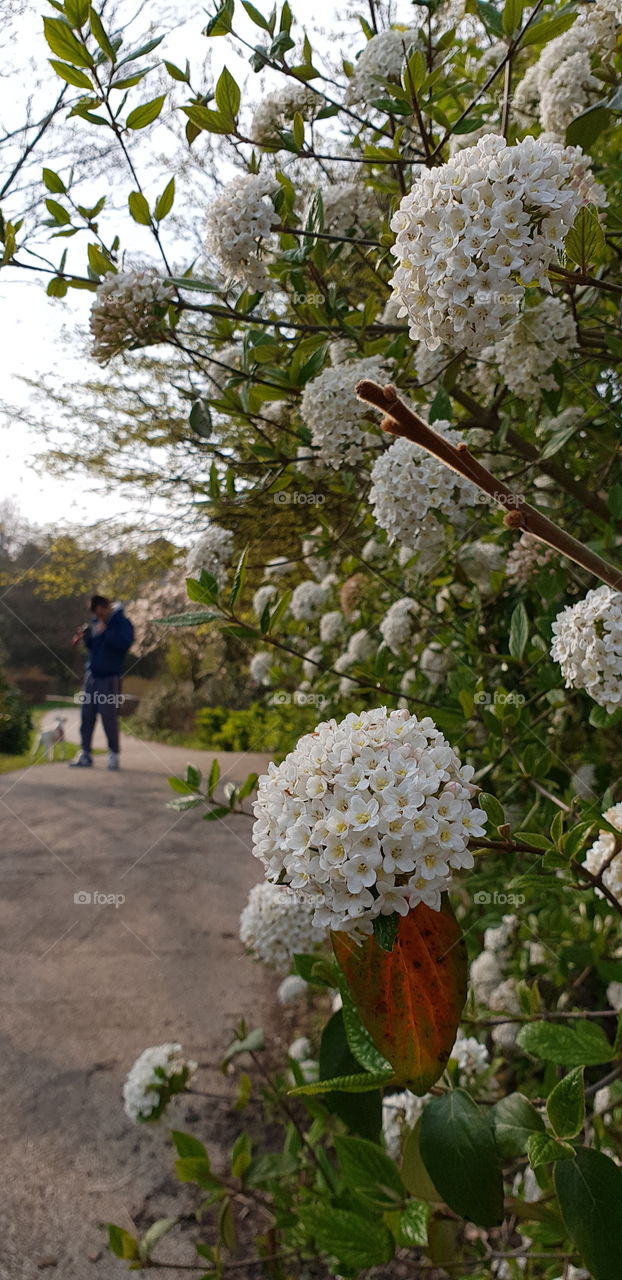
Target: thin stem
399, 420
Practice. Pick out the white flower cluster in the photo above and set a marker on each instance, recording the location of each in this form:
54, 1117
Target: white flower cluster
480, 560
361, 646
239, 221
300, 1051
470, 231
331, 626
408, 483
308, 600
276, 924
588, 646
381, 59
398, 625
128, 312
526, 557
274, 112
561, 84
400, 1113
367, 817
434, 663
338, 421
347, 205
213, 552
471, 1057
260, 667
526, 353
427, 547
158, 1074
491, 986
602, 854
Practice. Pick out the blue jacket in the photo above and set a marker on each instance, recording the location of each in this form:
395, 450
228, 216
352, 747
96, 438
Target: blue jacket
108, 649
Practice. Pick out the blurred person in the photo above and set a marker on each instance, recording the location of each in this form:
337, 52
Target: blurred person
108, 636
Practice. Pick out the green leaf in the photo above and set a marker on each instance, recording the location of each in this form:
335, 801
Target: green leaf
585, 241
298, 130
519, 631
542, 1148
412, 1225
582, 1044
190, 619
196, 1169
385, 930
492, 808
250, 1043
515, 1120
121, 1243
364, 1082
175, 72
512, 15
71, 75
367, 1169
227, 96
181, 786
547, 29
589, 1190
164, 203
99, 34
458, 1149
53, 182
98, 262
139, 208
154, 1234
140, 117
65, 44
187, 1145
220, 24
358, 1037
256, 16
566, 1105
210, 121
239, 578
59, 214
586, 128
357, 1241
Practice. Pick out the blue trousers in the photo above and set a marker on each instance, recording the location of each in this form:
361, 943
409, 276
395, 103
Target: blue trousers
101, 694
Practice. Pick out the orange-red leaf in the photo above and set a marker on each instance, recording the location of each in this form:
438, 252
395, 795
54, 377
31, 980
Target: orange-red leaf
410, 999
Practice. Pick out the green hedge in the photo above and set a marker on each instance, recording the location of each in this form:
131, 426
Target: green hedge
256, 728
15, 720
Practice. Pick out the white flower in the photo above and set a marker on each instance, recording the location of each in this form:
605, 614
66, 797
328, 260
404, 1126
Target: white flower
292, 988
471, 232
426, 550
128, 312
398, 625
158, 1074
588, 646
213, 552
400, 1112
471, 1056
276, 924
238, 225
497, 939
480, 560
381, 59
530, 346
600, 856
331, 626
614, 995
373, 842
299, 1049
408, 483
338, 421
561, 84
311, 660
274, 112
434, 663
262, 597
361, 646
307, 600
526, 556
260, 667
504, 999
276, 568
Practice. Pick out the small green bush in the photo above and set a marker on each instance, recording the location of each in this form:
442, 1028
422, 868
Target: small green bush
255, 728
15, 720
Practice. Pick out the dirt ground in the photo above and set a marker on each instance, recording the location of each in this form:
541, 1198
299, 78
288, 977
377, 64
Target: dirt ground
87, 985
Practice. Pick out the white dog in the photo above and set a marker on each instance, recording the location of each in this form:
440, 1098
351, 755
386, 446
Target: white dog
49, 737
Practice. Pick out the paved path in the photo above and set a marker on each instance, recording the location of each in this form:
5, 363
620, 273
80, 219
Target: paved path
86, 986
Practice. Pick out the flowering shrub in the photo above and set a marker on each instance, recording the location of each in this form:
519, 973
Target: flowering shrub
421, 232
156, 1076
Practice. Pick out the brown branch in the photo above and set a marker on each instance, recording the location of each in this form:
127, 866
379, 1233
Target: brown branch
399, 420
